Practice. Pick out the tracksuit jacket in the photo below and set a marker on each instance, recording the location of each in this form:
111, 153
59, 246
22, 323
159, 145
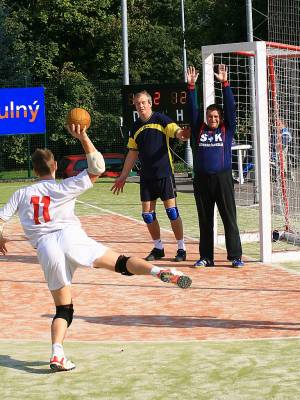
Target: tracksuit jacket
213, 183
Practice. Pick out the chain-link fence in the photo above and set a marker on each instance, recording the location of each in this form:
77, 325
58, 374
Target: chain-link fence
103, 101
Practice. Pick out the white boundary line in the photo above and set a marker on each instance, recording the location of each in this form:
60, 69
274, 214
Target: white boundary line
129, 218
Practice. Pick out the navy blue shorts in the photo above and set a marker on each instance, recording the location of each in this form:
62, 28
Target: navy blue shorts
163, 188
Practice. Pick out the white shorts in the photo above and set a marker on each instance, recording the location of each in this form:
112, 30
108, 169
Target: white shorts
61, 252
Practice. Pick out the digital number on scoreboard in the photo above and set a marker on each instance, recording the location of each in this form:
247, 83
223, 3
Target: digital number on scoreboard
170, 99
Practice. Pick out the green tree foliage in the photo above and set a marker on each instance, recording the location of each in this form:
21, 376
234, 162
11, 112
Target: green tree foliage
44, 35
71, 45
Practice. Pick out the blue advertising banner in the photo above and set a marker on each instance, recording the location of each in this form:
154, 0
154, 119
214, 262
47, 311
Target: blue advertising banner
22, 111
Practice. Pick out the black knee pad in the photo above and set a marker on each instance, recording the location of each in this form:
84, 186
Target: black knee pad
65, 312
120, 266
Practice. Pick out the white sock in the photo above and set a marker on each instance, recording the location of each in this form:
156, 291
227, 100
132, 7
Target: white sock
58, 350
180, 244
155, 270
158, 244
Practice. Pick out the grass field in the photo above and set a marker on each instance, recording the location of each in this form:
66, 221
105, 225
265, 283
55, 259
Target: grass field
241, 370
201, 370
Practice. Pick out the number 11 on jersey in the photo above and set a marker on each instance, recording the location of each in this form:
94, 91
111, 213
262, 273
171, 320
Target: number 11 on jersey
37, 201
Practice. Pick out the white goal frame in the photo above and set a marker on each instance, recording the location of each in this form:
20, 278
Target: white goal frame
258, 52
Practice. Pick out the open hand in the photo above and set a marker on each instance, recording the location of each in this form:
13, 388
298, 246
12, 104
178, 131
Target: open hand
3, 242
191, 75
118, 185
221, 75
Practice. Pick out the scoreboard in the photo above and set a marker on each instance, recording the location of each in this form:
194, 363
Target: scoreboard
169, 99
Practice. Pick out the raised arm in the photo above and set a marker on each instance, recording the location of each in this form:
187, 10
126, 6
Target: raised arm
192, 76
228, 98
95, 160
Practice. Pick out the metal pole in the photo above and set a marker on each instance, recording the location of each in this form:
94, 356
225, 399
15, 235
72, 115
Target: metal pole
28, 158
183, 39
125, 43
252, 96
249, 20
188, 150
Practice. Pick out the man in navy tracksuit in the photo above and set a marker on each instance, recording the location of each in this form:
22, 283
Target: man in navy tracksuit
213, 183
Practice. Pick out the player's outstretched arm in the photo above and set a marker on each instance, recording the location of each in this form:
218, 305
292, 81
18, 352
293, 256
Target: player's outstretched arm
130, 160
96, 163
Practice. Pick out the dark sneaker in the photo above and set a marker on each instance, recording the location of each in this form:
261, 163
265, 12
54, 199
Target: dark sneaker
176, 277
237, 263
204, 262
155, 254
180, 256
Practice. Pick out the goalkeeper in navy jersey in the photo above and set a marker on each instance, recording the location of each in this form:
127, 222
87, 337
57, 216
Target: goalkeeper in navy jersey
213, 183
149, 142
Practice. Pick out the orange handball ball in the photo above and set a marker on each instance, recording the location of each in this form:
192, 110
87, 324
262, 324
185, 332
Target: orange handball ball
79, 116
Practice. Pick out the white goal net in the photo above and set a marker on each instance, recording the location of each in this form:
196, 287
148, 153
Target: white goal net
265, 79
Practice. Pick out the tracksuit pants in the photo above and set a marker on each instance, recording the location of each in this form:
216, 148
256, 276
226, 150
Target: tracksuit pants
211, 189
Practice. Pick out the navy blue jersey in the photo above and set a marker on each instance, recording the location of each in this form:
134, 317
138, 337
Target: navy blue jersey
151, 139
212, 151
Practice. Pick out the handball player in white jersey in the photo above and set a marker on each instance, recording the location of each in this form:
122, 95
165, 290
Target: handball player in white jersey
46, 212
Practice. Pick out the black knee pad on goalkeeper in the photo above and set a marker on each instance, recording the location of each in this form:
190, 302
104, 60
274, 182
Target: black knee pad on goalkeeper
120, 266
65, 312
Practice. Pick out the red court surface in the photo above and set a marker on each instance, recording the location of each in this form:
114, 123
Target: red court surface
258, 301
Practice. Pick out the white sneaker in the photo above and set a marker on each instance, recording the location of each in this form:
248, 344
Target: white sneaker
62, 364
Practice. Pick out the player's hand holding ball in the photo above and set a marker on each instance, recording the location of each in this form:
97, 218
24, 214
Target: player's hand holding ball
77, 122
77, 132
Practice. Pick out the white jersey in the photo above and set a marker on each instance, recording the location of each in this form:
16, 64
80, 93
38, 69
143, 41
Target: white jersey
46, 206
